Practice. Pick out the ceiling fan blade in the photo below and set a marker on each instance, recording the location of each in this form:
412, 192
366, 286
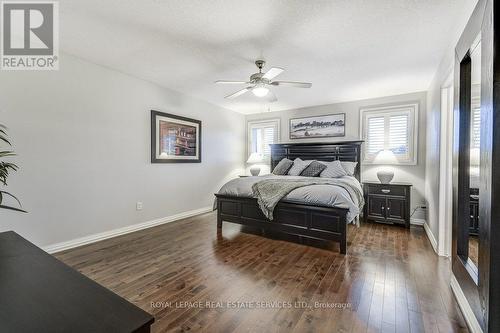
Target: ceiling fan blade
292, 84
272, 73
238, 93
229, 82
271, 97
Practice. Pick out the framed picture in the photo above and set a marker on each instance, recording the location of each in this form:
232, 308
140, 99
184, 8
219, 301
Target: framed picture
318, 126
175, 139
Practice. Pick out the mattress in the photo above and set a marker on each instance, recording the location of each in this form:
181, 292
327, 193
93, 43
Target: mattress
317, 195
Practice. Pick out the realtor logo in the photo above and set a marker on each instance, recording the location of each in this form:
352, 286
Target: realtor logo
30, 35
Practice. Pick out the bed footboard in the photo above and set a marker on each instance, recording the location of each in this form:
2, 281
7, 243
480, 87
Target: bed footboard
316, 222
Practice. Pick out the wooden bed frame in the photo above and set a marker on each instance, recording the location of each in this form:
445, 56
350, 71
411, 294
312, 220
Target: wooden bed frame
317, 222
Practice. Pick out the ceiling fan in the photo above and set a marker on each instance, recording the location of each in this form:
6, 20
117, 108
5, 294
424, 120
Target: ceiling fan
259, 83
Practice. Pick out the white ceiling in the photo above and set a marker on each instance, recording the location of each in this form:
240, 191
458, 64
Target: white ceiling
348, 49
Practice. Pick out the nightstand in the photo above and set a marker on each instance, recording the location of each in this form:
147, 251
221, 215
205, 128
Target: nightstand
474, 212
387, 203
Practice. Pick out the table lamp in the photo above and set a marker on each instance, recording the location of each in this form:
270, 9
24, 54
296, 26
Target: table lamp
385, 157
254, 159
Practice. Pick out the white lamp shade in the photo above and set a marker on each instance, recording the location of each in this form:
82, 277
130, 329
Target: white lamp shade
255, 158
385, 157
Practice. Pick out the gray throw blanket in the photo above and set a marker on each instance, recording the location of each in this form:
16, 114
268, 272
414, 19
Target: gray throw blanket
270, 191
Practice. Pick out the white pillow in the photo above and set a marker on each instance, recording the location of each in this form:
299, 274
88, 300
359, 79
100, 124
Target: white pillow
349, 167
333, 170
298, 167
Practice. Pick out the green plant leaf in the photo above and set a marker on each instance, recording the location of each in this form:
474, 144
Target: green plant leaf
4, 171
10, 195
3, 135
5, 168
7, 153
13, 208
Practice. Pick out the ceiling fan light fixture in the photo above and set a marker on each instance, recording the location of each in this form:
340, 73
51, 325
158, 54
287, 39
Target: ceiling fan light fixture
259, 83
260, 91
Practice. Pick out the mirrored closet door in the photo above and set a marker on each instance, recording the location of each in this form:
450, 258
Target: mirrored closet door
474, 154
476, 168
467, 145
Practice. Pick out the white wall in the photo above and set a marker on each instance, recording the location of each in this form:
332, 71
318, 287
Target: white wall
413, 174
433, 145
82, 135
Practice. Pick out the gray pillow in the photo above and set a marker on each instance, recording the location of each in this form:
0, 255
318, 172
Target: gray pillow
282, 167
313, 169
298, 167
333, 170
349, 167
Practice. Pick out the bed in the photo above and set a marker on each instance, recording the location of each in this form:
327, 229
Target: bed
304, 219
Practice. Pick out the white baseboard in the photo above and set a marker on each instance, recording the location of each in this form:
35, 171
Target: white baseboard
431, 238
469, 316
122, 231
414, 221
428, 232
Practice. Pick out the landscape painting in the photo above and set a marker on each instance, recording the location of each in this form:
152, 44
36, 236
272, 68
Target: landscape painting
174, 138
318, 126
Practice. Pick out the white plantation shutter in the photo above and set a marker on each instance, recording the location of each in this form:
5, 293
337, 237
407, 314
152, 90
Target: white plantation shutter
268, 138
399, 135
260, 135
375, 136
392, 128
476, 126
256, 140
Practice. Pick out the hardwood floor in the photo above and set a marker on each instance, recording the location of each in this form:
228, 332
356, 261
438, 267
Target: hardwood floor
474, 249
390, 280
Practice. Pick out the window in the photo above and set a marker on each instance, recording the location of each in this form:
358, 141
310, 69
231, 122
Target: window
390, 128
261, 134
475, 117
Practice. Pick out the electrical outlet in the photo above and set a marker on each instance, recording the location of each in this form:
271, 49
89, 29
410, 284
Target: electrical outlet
138, 205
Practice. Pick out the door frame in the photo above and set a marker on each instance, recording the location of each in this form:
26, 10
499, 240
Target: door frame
445, 210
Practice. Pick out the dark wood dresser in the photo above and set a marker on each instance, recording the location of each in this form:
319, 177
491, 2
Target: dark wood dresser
39, 293
387, 203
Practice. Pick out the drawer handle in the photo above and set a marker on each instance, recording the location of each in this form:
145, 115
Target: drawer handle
386, 191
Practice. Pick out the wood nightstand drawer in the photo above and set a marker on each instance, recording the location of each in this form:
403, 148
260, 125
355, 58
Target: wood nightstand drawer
386, 189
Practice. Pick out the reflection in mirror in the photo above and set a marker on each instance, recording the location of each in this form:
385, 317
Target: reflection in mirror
475, 135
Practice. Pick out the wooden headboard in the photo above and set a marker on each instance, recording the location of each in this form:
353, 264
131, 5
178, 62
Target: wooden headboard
321, 151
